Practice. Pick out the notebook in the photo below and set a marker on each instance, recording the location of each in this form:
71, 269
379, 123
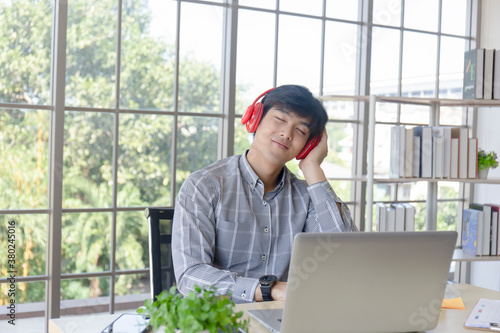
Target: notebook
364, 282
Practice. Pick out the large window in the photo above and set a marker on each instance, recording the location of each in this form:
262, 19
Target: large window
154, 89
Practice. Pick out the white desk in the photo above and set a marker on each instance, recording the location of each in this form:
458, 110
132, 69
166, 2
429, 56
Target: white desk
450, 320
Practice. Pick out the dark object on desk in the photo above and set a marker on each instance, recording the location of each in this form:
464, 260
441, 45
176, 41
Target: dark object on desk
128, 323
160, 254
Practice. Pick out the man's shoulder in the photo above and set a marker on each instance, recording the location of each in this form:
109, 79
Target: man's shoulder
220, 169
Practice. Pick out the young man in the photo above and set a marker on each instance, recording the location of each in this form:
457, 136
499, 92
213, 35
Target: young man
235, 220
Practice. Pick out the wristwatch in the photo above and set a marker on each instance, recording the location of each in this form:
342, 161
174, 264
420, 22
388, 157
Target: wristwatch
266, 283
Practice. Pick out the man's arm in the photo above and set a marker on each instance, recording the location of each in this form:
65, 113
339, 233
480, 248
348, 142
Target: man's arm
193, 244
326, 204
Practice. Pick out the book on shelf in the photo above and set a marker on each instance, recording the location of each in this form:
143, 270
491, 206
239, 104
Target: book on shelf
425, 135
391, 218
495, 228
454, 151
489, 58
380, 216
478, 209
473, 158
469, 231
402, 152
438, 157
473, 74
395, 147
416, 157
486, 251
399, 223
496, 75
409, 152
445, 133
409, 217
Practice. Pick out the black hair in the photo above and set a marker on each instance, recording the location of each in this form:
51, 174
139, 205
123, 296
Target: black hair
300, 101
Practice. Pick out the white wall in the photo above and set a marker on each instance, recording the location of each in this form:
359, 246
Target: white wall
487, 274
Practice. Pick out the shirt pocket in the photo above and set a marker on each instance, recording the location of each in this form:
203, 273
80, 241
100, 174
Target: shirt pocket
233, 244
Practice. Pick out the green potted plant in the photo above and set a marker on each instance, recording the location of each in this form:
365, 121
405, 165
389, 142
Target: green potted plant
485, 161
200, 311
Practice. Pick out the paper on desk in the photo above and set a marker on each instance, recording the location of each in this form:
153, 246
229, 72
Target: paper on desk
485, 313
453, 303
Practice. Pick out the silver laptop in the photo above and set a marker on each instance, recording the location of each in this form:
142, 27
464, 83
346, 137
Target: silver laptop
364, 282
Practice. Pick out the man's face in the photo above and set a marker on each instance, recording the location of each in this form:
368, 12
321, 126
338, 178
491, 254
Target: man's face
281, 135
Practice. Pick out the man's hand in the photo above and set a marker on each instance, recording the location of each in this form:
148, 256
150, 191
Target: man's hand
310, 165
278, 292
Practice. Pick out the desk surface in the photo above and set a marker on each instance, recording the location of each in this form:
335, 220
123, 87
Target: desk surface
450, 320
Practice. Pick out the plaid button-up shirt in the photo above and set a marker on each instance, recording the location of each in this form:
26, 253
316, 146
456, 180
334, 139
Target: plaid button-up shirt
227, 233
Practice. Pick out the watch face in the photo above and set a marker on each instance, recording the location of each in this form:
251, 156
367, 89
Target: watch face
267, 279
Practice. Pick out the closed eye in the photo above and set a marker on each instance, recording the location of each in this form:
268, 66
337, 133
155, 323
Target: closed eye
301, 132
280, 119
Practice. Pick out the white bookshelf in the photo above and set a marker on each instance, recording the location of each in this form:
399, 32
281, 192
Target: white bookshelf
434, 104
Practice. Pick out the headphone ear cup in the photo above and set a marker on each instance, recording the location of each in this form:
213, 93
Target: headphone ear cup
252, 117
310, 145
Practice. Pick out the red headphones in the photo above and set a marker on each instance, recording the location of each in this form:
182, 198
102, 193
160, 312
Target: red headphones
252, 116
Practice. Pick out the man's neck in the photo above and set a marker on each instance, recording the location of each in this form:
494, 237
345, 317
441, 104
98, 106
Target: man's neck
268, 173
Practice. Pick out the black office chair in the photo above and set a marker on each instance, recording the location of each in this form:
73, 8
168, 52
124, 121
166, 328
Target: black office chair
161, 267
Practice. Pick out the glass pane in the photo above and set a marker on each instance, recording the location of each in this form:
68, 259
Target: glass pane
339, 160
448, 190
85, 288
24, 240
454, 17
342, 189
419, 63
24, 151
242, 139
132, 245
91, 53
86, 242
385, 62
387, 112
32, 296
346, 10
412, 191
200, 58
25, 51
341, 49
254, 66
258, 3
387, 12
447, 215
299, 65
420, 215
148, 54
382, 155
134, 284
415, 114
311, 7
196, 146
88, 153
339, 109
451, 71
145, 160
451, 115
415, 10
384, 192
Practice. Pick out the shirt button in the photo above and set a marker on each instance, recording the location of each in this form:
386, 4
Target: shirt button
264, 203
266, 229
264, 257
243, 296
329, 190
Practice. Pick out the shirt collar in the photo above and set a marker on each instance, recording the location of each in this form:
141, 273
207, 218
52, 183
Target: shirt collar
251, 177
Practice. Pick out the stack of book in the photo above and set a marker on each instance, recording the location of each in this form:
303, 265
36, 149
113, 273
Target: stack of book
395, 217
481, 74
480, 230
433, 152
